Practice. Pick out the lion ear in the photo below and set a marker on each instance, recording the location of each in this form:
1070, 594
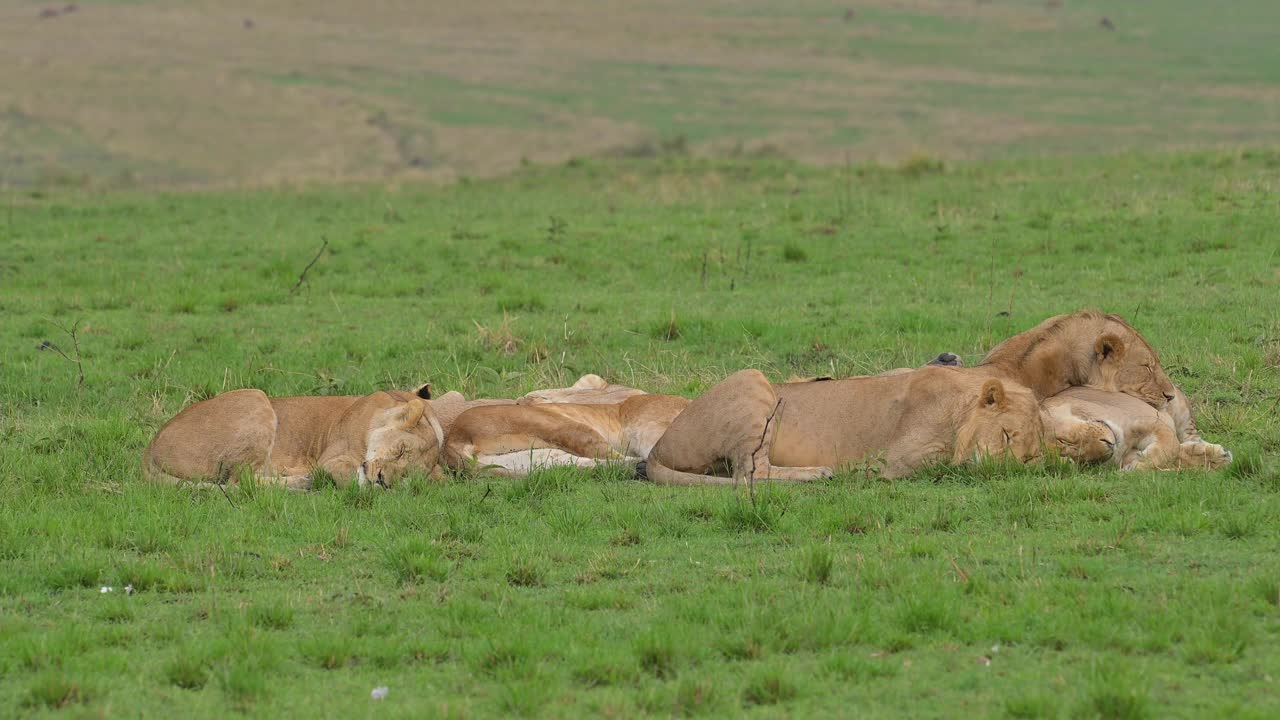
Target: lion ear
408, 415
992, 394
1109, 346
423, 391
590, 381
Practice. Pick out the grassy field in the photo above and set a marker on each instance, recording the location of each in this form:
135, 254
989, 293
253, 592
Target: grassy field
138, 92
990, 591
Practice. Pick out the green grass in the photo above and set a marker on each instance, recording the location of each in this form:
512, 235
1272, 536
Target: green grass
984, 591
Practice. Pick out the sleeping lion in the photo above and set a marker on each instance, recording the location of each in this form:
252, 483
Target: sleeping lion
1141, 437
374, 438
747, 428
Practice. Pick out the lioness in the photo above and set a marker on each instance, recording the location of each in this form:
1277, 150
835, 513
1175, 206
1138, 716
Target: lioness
376, 438
747, 427
513, 439
1143, 438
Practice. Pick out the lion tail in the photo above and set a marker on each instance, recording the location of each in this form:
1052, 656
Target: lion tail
662, 475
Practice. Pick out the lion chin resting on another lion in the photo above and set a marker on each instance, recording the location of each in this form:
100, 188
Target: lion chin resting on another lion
376, 438
748, 428
1141, 437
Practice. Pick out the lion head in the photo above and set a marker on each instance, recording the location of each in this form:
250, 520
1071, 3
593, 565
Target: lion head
1004, 421
401, 438
1087, 441
1129, 365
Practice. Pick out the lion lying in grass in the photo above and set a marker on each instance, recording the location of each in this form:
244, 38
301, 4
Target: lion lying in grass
748, 428
1142, 438
375, 438
514, 439
1099, 351
1088, 349
589, 389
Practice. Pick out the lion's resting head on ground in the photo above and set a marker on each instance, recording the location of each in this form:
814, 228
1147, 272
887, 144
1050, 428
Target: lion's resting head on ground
376, 438
400, 441
1003, 420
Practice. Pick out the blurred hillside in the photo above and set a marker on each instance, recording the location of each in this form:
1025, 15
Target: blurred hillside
211, 93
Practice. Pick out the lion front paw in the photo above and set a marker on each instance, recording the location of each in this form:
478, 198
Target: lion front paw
1203, 455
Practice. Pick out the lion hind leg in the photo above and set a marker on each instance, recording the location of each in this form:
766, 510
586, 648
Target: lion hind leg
734, 423
215, 439
578, 439
1157, 448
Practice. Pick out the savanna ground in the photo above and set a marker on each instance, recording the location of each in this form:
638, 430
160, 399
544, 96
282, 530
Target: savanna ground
987, 591
206, 93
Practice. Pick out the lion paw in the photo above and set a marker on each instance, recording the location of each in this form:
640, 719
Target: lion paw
1203, 455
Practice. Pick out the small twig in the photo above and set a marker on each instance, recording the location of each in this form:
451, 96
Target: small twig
314, 260
751, 476
223, 488
223, 477
73, 331
487, 489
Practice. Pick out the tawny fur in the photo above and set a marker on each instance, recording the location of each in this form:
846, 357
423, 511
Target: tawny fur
1143, 438
282, 440
601, 431
589, 389
1091, 349
752, 429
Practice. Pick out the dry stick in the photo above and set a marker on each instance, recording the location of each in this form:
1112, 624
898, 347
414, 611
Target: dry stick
222, 478
314, 260
223, 488
751, 476
75, 343
960, 573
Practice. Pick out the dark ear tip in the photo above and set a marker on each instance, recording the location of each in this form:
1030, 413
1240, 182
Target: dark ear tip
424, 391
947, 359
